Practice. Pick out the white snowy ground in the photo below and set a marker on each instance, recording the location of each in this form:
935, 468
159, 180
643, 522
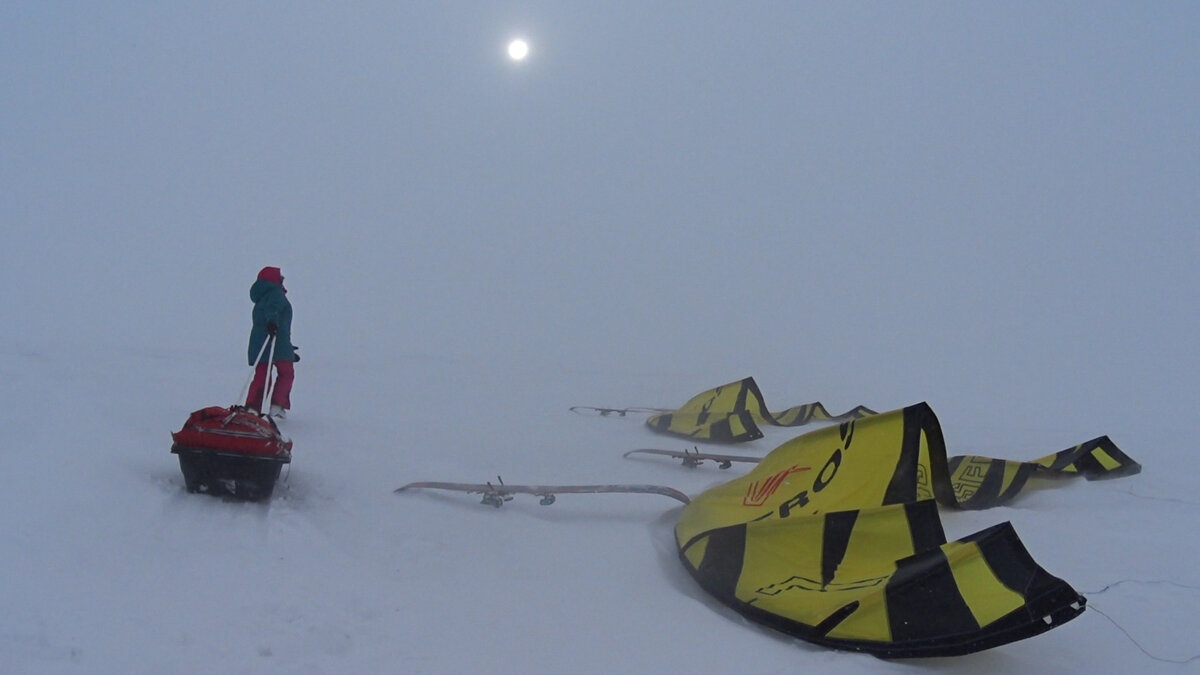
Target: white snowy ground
110, 566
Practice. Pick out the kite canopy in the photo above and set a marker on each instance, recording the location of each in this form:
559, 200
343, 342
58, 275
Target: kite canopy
732, 412
835, 538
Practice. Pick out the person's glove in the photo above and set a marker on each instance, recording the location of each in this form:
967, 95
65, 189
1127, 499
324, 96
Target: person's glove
295, 354
272, 328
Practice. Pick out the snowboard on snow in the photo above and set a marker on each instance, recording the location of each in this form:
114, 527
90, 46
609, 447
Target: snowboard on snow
495, 494
696, 457
618, 412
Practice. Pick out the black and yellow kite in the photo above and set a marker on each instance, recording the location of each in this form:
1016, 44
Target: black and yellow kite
835, 538
732, 412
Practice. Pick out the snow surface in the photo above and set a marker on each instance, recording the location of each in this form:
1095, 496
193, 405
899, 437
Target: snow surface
992, 209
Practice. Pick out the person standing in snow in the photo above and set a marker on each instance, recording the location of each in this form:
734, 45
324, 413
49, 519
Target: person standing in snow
272, 318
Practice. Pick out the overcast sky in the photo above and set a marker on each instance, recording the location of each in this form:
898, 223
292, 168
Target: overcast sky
970, 201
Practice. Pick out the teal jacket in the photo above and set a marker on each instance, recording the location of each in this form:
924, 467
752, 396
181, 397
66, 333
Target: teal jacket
270, 304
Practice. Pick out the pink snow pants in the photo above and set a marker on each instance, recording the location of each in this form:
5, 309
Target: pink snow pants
281, 394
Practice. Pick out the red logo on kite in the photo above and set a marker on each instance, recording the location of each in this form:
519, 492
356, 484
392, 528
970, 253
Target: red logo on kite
760, 491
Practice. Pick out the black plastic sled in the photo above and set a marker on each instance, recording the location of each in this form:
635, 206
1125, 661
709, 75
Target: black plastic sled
231, 451
228, 474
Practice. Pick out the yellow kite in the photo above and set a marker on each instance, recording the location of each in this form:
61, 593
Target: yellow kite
732, 412
835, 538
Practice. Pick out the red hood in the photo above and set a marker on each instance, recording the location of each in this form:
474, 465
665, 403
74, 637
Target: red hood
271, 274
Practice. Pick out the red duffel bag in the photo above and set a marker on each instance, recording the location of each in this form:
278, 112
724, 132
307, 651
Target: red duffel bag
235, 429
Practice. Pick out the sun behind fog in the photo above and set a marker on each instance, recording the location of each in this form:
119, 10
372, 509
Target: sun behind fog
518, 50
